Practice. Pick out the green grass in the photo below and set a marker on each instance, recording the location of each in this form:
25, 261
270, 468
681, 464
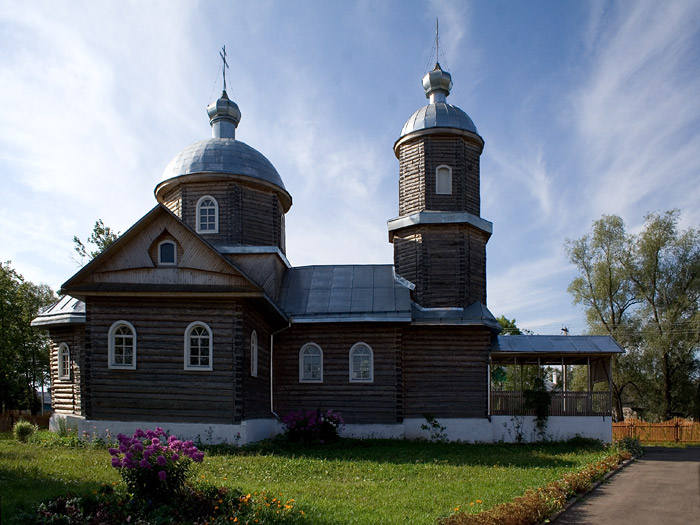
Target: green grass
349, 482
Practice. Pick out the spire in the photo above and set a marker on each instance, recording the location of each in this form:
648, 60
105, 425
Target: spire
224, 114
437, 83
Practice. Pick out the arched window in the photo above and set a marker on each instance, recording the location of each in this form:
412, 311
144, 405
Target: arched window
254, 354
443, 180
311, 364
207, 215
361, 363
122, 345
198, 347
63, 361
167, 253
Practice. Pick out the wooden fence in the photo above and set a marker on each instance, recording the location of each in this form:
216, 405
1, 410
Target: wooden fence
677, 430
9, 418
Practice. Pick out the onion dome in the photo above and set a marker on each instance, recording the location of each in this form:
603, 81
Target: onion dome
438, 114
222, 156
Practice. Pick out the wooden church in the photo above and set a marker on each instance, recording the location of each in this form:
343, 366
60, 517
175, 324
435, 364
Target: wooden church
195, 321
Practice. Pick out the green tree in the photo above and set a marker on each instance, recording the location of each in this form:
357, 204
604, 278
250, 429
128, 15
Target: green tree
24, 352
510, 328
101, 237
643, 290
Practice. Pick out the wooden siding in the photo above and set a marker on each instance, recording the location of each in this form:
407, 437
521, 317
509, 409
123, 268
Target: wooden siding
256, 390
418, 161
376, 402
160, 389
135, 261
247, 215
447, 263
445, 371
265, 269
67, 394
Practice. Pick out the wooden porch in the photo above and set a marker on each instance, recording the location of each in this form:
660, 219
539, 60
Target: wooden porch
516, 360
508, 403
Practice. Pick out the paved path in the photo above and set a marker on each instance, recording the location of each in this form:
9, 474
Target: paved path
663, 487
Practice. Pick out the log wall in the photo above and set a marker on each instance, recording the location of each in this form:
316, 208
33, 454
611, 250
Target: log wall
160, 389
447, 263
247, 215
67, 394
376, 402
418, 162
445, 371
256, 390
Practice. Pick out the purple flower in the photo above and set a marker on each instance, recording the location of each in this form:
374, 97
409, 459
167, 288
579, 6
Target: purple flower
144, 464
174, 457
161, 475
161, 460
116, 463
113, 452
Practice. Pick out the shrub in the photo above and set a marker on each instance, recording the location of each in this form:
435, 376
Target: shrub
313, 427
631, 445
153, 465
23, 430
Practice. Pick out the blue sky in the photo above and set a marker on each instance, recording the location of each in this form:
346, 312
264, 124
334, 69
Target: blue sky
586, 108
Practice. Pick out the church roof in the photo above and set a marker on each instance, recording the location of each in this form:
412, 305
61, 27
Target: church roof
345, 293
438, 114
223, 155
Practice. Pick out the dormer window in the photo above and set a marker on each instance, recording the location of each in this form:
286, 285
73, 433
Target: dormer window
443, 180
167, 253
207, 215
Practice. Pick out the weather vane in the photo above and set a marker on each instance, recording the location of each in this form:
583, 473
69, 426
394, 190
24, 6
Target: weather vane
224, 64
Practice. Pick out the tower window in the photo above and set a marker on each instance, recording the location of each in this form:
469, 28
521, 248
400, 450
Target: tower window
167, 254
443, 180
207, 215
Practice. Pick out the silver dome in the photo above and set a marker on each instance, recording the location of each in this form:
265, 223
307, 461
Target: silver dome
223, 155
438, 115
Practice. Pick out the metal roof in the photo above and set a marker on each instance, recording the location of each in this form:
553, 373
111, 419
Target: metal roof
438, 115
223, 155
66, 310
556, 344
476, 314
345, 293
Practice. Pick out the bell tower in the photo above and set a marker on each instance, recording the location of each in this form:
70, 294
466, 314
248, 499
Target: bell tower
439, 236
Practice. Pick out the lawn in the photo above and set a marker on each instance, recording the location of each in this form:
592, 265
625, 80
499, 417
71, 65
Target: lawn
373, 481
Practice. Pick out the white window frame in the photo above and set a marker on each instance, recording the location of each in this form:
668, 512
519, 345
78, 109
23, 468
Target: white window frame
160, 260
254, 354
356, 347
112, 344
302, 354
439, 190
63, 354
200, 203
203, 368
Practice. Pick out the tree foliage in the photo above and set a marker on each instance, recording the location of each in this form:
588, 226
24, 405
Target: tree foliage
510, 328
644, 290
24, 351
101, 237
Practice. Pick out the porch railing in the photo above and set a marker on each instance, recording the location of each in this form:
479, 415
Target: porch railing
509, 403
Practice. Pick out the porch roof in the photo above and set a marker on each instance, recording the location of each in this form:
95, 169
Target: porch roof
552, 348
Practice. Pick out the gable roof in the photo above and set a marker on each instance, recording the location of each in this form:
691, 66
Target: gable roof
126, 265
553, 348
345, 293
